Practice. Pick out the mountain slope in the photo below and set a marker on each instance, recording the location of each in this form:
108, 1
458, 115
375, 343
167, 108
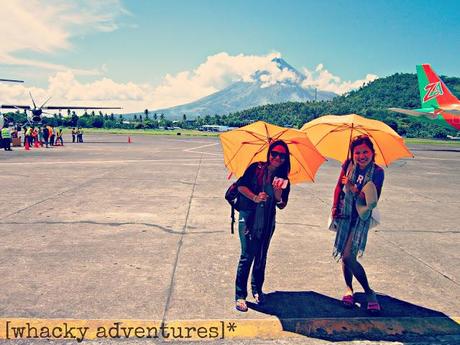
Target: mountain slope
372, 100
243, 95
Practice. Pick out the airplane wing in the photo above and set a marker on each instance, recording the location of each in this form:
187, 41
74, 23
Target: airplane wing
15, 106
421, 112
12, 80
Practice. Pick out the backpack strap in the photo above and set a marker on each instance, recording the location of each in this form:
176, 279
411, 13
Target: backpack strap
232, 226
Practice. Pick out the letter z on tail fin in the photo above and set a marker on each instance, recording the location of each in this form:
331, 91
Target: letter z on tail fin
433, 92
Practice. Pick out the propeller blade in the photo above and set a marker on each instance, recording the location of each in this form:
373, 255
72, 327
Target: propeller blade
30, 93
45, 102
12, 80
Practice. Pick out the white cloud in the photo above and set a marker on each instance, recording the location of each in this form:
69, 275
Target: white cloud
65, 89
277, 75
47, 26
216, 73
324, 80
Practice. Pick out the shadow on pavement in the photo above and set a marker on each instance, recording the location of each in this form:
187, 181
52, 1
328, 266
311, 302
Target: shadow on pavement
319, 316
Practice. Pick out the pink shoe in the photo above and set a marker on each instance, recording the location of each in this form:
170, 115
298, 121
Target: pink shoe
241, 305
348, 301
373, 307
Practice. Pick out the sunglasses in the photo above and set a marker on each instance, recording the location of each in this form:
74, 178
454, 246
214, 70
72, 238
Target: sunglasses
275, 154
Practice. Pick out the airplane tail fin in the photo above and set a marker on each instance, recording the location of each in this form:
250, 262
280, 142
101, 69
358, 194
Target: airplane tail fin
433, 91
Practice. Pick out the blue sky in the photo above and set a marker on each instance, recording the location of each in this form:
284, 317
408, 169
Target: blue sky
136, 49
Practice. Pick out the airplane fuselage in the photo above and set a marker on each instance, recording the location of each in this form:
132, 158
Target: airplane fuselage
451, 119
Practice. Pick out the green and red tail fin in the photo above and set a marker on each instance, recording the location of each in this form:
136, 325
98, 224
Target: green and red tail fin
433, 91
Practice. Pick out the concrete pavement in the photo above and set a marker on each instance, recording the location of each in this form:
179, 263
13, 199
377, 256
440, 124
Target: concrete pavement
141, 231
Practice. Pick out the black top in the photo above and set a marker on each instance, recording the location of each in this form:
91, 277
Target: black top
253, 179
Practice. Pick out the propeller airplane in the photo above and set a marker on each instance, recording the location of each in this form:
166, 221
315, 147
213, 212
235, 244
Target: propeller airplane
35, 113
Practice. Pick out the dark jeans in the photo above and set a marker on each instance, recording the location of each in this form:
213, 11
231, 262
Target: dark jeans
253, 253
7, 144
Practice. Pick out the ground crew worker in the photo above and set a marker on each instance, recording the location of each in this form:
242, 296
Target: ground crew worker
6, 138
46, 134
52, 135
59, 136
40, 136
35, 135
25, 134
29, 136
79, 135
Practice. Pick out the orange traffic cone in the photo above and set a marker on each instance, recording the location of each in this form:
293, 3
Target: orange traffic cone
129, 140
26, 146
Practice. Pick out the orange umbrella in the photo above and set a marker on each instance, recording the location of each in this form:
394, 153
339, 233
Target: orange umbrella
250, 143
332, 135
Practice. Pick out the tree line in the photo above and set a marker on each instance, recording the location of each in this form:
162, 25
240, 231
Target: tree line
371, 100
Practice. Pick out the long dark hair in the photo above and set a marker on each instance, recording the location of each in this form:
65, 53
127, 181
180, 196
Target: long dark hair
285, 168
362, 139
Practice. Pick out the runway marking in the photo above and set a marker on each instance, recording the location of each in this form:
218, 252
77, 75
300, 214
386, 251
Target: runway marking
188, 141
199, 147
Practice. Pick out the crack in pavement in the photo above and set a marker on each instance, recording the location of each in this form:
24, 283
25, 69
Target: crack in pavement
402, 231
54, 196
179, 247
423, 262
114, 224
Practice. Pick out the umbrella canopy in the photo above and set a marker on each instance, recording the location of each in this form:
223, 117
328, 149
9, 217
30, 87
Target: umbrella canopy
332, 135
250, 143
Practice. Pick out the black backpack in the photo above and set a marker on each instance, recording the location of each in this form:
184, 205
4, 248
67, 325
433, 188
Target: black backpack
232, 196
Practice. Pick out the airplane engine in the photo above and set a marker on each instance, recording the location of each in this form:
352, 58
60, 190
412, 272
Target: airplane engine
35, 118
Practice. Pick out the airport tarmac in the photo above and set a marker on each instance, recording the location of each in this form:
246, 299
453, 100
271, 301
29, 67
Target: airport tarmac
107, 230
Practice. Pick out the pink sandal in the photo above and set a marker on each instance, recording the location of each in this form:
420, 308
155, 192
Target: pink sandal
348, 301
373, 307
241, 305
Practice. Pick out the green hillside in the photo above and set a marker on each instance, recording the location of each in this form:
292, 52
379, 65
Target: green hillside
371, 100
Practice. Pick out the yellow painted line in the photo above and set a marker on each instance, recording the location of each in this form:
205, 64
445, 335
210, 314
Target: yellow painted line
79, 330
334, 328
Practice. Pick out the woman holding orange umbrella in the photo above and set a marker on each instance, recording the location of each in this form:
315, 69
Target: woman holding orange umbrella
359, 143
267, 159
360, 177
264, 186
